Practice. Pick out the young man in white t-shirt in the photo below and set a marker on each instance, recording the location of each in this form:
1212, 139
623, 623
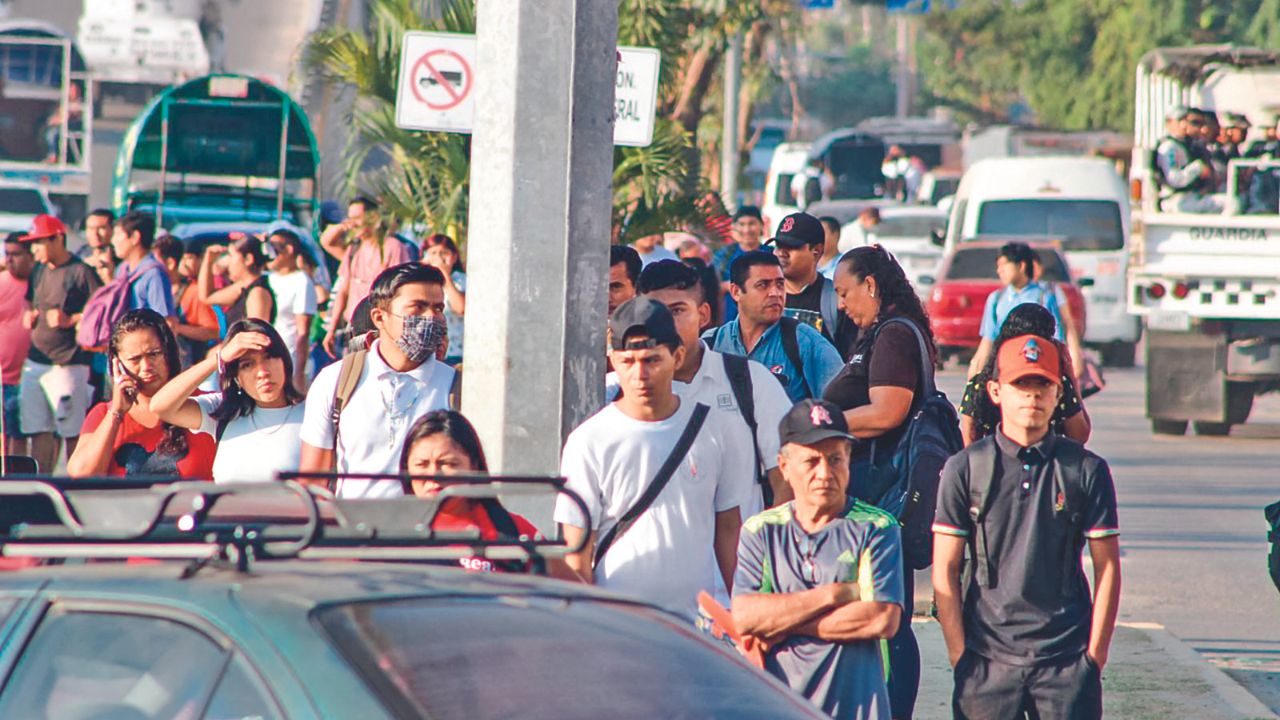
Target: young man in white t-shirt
702, 377
401, 381
676, 547
295, 301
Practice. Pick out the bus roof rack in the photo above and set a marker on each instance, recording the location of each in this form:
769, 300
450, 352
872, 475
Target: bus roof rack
237, 524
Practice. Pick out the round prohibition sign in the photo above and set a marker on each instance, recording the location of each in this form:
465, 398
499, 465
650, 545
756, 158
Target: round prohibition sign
441, 79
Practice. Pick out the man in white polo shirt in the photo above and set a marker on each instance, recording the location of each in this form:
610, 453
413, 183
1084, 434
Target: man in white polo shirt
401, 381
658, 536
704, 377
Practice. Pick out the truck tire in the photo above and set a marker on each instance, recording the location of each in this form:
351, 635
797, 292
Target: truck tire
1212, 429
1119, 354
1168, 427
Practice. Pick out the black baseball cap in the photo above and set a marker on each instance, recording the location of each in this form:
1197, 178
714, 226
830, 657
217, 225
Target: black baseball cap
798, 230
750, 211
811, 421
642, 316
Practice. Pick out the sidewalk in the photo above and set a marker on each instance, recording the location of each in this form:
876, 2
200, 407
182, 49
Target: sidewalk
1151, 675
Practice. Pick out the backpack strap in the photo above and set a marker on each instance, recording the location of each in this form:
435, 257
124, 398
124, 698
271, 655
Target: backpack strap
791, 346
981, 457
455, 390
926, 369
656, 487
828, 308
738, 370
1068, 480
348, 378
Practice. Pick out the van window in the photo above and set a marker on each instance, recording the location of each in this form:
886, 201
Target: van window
979, 263
782, 196
1079, 224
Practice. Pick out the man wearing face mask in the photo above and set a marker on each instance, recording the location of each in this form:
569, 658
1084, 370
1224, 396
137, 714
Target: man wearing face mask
398, 379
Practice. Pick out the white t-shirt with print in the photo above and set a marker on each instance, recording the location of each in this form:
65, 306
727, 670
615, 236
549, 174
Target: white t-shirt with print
295, 295
376, 419
256, 446
711, 387
667, 556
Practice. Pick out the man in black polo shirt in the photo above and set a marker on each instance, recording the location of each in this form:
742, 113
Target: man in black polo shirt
1025, 636
811, 298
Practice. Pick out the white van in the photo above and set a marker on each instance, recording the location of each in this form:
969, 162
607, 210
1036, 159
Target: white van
1081, 202
789, 159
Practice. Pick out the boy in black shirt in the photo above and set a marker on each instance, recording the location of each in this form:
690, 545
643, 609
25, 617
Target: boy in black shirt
1024, 635
811, 297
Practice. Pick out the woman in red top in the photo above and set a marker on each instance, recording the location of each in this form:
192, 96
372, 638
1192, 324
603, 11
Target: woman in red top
123, 436
443, 442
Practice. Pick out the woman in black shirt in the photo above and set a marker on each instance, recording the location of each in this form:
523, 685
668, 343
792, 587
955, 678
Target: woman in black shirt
877, 389
249, 295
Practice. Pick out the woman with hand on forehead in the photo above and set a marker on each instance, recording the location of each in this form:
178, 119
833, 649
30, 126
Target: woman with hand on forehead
258, 413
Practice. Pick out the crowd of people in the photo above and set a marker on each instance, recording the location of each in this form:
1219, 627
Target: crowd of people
1192, 164
742, 462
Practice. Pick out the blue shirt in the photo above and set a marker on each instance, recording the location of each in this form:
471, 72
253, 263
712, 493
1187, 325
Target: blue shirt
1002, 301
817, 354
151, 287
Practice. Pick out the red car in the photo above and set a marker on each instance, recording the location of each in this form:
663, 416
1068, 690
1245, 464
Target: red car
967, 276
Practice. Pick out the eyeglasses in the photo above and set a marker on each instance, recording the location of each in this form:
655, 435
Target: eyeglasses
808, 568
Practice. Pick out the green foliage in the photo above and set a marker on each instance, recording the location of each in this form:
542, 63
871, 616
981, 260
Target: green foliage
422, 177
1071, 61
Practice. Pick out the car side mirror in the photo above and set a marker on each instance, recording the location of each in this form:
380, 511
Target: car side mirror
937, 237
926, 280
1085, 282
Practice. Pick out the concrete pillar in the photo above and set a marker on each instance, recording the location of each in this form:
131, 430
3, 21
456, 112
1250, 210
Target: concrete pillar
730, 163
538, 234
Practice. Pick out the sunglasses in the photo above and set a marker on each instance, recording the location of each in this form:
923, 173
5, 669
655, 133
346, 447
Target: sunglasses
808, 568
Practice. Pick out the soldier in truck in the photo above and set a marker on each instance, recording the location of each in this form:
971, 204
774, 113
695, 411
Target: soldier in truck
1179, 171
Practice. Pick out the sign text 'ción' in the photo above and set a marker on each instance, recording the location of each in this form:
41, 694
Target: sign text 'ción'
437, 78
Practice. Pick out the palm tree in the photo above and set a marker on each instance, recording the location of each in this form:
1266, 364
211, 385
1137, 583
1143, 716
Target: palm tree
424, 176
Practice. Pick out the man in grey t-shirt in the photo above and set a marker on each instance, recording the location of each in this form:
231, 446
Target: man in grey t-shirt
819, 579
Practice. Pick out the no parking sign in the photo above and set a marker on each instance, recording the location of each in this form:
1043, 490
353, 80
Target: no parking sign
436, 80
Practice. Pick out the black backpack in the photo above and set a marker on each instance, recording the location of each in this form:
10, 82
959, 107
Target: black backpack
1273, 560
903, 479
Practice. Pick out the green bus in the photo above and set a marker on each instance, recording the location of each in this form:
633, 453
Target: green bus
219, 148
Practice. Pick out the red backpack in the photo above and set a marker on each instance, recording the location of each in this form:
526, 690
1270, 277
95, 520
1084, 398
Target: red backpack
103, 310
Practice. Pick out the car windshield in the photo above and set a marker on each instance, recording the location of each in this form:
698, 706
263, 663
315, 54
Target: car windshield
980, 264
21, 201
913, 226
448, 658
1079, 224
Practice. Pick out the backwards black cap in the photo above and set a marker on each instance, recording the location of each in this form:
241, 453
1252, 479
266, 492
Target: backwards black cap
642, 317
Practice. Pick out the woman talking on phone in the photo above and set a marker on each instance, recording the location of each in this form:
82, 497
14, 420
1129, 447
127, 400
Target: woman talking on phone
124, 436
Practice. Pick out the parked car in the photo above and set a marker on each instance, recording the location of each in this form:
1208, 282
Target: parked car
254, 617
938, 184
913, 233
20, 203
967, 276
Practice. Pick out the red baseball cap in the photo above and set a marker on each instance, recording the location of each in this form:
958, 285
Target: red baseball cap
44, 226
1027, 355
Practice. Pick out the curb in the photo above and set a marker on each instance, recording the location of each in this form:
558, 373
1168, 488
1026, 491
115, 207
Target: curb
1232, 692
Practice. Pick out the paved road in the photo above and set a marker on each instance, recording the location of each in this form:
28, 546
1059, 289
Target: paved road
262, 40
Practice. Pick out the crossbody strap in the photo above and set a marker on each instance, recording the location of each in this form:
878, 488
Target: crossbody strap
655, 488
926, 374
348, 378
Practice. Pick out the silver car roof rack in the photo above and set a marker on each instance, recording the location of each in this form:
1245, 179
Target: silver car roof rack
238, 524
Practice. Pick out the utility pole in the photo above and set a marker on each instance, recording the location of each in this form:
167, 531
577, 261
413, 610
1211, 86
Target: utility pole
730, 160
902, 104
538, 233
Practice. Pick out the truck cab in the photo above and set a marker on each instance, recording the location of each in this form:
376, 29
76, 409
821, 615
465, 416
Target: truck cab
1205, 285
